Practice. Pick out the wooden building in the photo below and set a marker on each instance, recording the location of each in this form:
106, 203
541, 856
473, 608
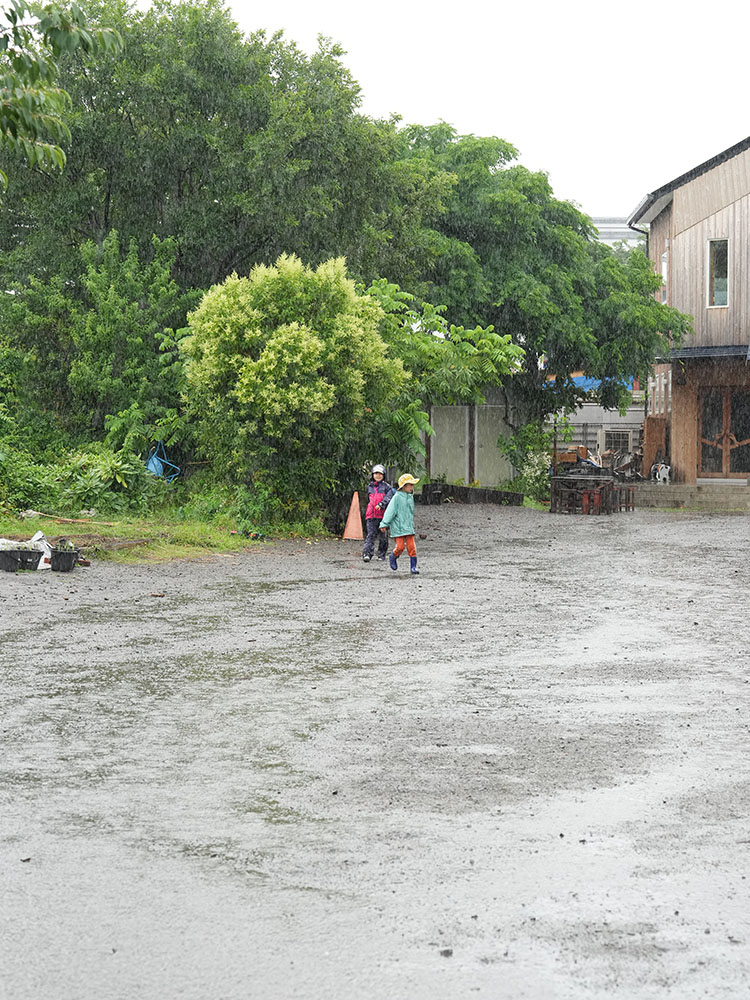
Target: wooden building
699, 241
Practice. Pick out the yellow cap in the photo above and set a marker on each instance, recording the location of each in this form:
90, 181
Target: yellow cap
406, 478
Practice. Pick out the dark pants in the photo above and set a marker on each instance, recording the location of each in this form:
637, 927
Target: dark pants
373, 532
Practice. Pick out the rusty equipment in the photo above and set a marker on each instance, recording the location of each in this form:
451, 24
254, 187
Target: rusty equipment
587, 494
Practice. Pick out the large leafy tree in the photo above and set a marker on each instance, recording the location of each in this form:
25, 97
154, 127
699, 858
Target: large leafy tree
125, 336
448, 364
103, 346
287, 375
516, 258
239, 148
32, 105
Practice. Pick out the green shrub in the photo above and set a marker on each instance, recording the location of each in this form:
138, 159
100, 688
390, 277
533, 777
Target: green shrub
109, 482
533, 479
530, 453
244, 508
286, 374
25, 482
88, 479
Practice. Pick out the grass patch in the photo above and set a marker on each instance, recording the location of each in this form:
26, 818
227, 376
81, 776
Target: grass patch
132, 540
535, 504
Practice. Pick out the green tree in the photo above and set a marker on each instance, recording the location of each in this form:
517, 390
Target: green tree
286, 375
32, 105
35, 339
631, 328
239, 148
125, 338
447, 364
517, 259
295, 381
110, 340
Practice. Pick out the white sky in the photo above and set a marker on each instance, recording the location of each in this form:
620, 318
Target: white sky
611, 100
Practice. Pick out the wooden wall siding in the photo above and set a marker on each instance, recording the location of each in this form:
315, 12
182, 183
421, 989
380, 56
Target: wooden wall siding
699, 373
689, 263
711, 192
654, 441
659, 239
659, 232
683, 453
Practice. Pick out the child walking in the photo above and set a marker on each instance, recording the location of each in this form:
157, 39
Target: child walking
379, 493
399, 516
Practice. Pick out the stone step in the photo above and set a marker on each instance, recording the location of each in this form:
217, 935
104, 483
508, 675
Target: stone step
700, 497
697, 491
739, 485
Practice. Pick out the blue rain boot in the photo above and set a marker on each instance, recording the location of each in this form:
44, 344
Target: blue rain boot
413, 564
392, 561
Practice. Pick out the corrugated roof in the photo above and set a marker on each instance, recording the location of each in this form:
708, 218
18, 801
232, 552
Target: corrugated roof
727, 351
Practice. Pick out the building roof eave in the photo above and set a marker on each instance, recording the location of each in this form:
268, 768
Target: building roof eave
651, 206
712, 351
658, 200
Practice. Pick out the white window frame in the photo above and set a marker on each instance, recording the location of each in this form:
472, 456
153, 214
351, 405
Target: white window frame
716, 239
602, 438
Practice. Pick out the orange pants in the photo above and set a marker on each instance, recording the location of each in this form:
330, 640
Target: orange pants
402, 540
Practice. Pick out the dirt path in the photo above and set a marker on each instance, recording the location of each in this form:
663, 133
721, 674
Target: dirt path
522, 774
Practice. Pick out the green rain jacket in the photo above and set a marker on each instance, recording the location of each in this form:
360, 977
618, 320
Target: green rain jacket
399, 514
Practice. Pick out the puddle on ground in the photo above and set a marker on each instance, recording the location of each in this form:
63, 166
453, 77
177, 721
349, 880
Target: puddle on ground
271, 810
242, 588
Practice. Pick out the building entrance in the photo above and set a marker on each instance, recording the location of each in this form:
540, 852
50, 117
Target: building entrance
724, 432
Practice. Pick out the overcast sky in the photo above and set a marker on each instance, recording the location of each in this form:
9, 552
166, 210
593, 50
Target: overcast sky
612, 101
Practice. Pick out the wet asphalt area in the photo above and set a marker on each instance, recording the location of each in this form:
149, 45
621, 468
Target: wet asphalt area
524, 773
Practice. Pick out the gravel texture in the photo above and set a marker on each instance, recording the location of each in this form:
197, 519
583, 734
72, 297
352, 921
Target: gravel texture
522, 774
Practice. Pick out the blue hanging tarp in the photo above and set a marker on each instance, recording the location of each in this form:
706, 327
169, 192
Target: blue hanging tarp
158, 463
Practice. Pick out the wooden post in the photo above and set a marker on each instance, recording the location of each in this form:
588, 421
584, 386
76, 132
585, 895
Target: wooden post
554, 453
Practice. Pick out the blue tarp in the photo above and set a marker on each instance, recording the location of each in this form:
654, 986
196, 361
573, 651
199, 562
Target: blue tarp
589, 384
158, 463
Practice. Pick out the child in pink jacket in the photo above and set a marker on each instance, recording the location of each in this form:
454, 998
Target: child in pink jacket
379, 492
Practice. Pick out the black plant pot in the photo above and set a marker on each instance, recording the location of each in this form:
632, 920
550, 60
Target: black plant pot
29, 558
9, 561
63, 560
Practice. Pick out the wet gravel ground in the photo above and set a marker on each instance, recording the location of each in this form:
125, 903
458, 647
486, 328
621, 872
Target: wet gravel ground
524, 773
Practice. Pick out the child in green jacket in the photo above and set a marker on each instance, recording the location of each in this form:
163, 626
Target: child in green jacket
399, 516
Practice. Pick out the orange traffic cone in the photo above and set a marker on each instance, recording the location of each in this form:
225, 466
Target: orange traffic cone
353, 527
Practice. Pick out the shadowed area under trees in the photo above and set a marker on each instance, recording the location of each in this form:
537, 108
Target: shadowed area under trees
195, 153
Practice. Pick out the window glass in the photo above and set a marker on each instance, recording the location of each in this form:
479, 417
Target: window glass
617, 441
712, 458
739, 457
712, 414
718, 272
712, 425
